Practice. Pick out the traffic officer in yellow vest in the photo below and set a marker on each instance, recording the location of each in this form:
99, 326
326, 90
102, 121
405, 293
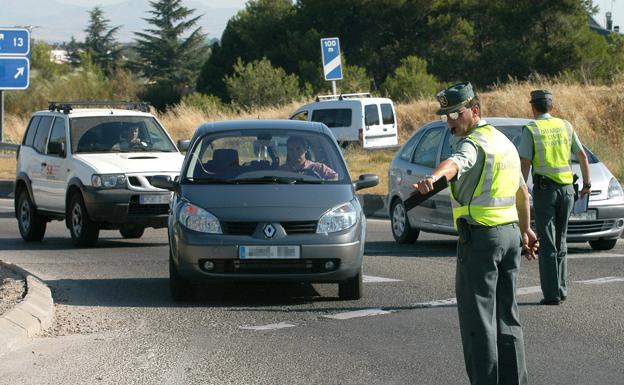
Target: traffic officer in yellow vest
546, 145
492, 215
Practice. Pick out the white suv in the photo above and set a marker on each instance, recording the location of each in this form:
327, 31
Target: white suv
92, 167
354, 118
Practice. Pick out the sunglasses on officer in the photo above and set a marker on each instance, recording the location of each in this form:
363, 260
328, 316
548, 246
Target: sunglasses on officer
456, 114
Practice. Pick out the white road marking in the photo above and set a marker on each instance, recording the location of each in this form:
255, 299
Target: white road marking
438, 303
599, 281
280, 325
595, 255
371, 279
528, 290
358, 313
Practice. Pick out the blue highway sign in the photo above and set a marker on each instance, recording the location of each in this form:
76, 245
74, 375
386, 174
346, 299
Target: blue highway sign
332, 65
14, 42
14, 73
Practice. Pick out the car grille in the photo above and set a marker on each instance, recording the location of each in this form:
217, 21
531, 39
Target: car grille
134, 208
248, 228
272, 266
584, 227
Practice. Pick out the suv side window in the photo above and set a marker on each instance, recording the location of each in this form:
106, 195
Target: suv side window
387, 115
31, 130
371, 115
41, 137
427, 151
58, 132
301, 115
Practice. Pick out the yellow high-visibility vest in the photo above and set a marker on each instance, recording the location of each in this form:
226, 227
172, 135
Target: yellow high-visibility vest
552, 141
493, 201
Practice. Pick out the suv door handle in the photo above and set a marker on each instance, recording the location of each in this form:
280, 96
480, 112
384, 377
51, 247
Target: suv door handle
409, 172
44, 164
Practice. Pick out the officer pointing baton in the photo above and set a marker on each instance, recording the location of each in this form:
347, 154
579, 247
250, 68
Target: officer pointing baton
492, 216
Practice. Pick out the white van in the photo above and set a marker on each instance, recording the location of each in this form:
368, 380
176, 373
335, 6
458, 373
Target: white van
354, 118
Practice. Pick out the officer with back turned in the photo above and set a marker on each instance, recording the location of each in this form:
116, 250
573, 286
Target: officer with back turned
491, 213
546, 146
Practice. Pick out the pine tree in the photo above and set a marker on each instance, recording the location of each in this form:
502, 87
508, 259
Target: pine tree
100, 41
165, 56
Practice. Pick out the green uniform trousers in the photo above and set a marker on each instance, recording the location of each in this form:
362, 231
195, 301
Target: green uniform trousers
553, 205
488, 259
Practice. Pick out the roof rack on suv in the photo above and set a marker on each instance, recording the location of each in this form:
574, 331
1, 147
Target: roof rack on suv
320, 98
67, 106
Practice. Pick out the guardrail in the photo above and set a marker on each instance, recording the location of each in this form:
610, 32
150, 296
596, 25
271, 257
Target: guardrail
8, 146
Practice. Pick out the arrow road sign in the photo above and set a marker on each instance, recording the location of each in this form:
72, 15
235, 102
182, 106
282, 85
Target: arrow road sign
332, 65
14, 41
14, 73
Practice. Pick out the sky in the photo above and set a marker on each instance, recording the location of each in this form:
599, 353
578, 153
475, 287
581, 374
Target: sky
59, 20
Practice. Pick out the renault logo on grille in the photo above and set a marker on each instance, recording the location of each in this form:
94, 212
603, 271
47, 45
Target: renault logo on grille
268, 230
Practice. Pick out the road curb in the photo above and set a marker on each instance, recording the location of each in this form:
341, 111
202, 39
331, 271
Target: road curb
374, 205
29, 317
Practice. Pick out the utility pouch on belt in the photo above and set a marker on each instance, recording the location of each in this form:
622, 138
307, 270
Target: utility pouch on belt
538, 182
463, 228
576, 188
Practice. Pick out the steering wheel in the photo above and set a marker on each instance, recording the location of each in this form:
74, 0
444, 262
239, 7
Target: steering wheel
311, 172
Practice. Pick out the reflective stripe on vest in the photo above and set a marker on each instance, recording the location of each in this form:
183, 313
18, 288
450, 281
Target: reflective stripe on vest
493, 201
552, 141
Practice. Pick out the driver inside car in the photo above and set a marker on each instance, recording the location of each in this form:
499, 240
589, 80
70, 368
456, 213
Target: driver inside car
296, 160
130, 139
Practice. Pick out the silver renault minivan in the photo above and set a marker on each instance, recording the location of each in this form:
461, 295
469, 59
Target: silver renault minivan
265, 200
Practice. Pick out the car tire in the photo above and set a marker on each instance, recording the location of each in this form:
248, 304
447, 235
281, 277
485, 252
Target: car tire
83, 230
180, 288
131, 232
402, 231
603, 244
32, 225
351, 289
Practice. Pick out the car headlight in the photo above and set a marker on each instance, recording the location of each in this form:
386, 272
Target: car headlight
337, 219
108, 180
615, 190
198, 219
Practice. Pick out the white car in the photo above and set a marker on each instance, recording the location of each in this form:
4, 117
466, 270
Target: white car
354, 118
92, 167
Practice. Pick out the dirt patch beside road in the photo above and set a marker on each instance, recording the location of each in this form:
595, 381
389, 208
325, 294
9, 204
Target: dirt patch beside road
12, 289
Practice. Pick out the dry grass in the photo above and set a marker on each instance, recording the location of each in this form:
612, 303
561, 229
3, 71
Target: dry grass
597, 113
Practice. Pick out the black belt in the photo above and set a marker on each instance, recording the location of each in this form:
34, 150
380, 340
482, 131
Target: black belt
542, 182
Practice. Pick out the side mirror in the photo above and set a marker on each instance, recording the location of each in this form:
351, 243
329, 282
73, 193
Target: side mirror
366, 181
56, 148
164, 182
184, 145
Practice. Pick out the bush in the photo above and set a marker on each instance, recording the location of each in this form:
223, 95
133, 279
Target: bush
258, 84
410, 81
209, 105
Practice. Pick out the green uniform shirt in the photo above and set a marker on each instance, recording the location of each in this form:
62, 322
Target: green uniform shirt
469, 160
526, 149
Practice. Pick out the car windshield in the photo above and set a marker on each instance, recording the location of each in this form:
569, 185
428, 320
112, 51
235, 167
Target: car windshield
118, 134
267, 156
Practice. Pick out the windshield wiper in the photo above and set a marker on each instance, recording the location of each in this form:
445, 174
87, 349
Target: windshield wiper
210, 180
277, 179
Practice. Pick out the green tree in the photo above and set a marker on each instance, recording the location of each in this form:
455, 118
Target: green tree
259, 84
354, 79
410, 81
74, 49
100, 41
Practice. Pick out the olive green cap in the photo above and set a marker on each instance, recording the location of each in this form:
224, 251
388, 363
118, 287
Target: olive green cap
454, 97
541, 95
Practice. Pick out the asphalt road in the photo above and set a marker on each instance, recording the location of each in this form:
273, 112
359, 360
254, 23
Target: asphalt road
115, 322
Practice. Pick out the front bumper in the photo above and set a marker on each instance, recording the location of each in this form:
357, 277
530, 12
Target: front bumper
191, 249
609, 224
115, 207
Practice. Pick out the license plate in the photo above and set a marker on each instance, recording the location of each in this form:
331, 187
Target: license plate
589, 215
269, 252
154, 199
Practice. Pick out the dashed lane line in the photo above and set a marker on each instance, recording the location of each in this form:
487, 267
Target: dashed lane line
373, 279
420, 305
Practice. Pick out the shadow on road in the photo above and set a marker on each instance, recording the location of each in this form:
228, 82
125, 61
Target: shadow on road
154, 292
64, 243
423, 249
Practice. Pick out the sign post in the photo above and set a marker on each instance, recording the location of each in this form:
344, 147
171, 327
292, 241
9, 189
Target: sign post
332, 65
14, 64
